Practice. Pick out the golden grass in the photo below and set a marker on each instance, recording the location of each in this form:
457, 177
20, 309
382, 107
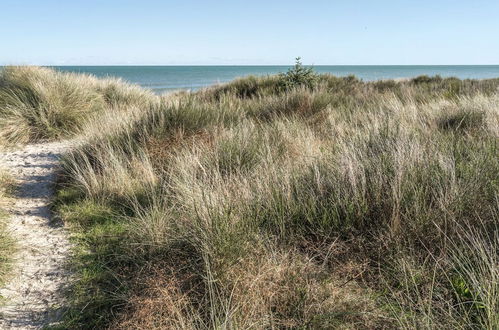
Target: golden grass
43, 104
346, 205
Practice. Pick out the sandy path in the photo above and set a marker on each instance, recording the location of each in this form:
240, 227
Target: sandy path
33, 296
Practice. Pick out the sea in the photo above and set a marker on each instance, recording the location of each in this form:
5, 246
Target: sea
162, 79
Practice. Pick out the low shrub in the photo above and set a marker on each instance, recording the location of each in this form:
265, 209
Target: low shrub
298, 76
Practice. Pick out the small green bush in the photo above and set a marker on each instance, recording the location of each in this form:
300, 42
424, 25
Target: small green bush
298, 76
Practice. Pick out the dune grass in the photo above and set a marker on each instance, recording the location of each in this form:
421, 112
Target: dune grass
291, 201
7, 185
339, 205
38, 104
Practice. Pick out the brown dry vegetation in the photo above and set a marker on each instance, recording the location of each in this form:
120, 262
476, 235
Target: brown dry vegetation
342, 204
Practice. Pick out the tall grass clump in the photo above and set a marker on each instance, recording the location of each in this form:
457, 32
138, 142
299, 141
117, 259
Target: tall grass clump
340, 204
43, 104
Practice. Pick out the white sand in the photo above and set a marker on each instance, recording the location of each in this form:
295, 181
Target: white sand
33, 296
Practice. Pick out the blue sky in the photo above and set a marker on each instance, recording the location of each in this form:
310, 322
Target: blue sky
92, 32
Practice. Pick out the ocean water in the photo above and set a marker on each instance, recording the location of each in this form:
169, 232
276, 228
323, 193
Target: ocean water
167, 78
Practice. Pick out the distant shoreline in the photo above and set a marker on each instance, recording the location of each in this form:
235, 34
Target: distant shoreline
185, 77
250, 65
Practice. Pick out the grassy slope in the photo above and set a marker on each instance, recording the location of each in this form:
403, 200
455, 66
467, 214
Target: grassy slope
38, 104
43, 104
352, 205
255, 205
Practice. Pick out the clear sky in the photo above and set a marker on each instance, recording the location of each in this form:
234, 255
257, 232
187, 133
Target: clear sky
91, 32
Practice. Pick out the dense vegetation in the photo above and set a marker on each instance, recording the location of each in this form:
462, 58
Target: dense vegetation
43, 104
290, 201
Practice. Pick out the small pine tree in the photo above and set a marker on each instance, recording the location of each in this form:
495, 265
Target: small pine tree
299, 75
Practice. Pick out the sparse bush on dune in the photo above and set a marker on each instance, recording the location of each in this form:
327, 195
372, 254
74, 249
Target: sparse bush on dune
327, 203
297, 76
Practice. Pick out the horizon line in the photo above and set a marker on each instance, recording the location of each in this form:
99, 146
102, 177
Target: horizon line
247, 65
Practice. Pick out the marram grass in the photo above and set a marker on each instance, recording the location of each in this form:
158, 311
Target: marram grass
334, 203
39, 104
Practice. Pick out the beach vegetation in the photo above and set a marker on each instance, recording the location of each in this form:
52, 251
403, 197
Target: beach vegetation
41, 104
7, 187
329, 203
297, 76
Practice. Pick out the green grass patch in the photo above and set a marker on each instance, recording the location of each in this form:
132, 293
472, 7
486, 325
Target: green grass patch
7, 244
97, 234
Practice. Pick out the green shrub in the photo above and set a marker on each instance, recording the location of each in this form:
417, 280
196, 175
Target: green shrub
298, 76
